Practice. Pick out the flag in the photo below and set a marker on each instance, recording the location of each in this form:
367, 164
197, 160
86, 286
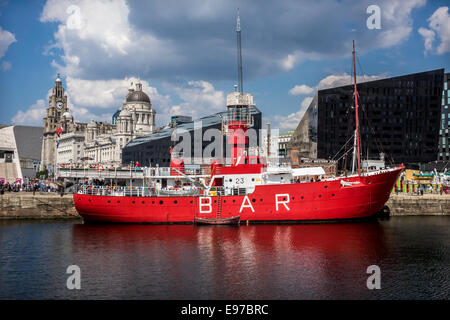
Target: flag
58, 131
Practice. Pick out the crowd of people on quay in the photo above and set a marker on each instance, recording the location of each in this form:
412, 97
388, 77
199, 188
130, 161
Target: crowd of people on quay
99, 166
30, 185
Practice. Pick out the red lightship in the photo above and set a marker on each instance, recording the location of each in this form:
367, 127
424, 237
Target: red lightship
247, 190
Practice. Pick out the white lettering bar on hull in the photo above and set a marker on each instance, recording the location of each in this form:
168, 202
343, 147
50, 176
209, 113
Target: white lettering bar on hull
201, 204
249, 205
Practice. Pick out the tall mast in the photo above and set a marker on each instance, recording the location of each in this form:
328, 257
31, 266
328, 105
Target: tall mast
239, 53
356, 110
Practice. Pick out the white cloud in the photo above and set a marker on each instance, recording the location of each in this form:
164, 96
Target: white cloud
194, 39
337, 80
6, 39
428, 36
298, 56
200, 98
396, 21
291, 121
439, 24
32, 116
90, 97
97, 35
301, 89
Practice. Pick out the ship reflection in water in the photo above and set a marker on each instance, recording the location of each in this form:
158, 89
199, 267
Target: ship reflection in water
224, 262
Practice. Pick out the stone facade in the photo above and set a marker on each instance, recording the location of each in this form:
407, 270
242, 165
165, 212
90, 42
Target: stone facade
93, 142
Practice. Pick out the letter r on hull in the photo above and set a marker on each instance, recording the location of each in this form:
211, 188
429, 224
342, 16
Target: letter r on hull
282, 199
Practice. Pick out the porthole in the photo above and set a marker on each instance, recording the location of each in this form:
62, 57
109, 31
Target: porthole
320, 196
143, 202
153, 202
260, 200
161, 202
89, 200
253, 200
134, 201
79, 199
301, 197
234, 201
326, 187
224, 201
109, 201
118, 201
293, 198
215, 201
191, 201
332, 195
175, 202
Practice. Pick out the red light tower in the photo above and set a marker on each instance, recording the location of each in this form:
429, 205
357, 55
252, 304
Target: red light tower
237, 121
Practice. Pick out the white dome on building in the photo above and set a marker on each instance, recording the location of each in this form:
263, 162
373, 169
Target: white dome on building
92, 124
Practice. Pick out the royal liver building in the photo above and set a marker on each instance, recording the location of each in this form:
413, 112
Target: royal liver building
66, 141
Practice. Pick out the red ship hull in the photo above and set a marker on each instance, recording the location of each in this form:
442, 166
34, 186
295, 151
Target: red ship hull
323, 200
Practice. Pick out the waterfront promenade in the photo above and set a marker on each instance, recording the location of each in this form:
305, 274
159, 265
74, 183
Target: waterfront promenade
50, 205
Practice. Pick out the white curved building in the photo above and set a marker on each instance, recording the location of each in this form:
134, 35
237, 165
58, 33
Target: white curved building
93, 142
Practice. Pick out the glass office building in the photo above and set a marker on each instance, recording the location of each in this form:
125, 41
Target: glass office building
400, 119
444, 149
154, 149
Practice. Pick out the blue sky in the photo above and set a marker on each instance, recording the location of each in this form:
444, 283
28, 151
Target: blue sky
184, 52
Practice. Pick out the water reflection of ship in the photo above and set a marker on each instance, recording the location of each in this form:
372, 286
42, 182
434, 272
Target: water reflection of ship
268, 261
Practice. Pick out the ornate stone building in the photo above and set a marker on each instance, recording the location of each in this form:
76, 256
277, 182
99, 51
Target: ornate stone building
95, 142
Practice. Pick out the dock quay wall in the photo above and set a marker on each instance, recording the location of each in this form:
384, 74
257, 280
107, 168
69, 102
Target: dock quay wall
417, 205
23, 205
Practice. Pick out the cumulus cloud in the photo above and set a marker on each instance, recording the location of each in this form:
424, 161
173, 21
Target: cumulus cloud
337, 80
6, 39
439, 24
397, 21
428, 37
301, 89
183, 43
99, 99
199, 98
32, 116
195, 40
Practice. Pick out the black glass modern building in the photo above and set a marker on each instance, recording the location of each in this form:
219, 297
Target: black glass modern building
444, 148
400, 117
154, 149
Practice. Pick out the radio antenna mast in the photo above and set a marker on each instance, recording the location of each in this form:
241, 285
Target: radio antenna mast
239, 53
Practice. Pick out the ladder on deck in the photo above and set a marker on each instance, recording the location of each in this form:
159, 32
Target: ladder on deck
219, 206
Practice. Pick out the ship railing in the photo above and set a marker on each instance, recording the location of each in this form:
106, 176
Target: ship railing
135, 192
99, 173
